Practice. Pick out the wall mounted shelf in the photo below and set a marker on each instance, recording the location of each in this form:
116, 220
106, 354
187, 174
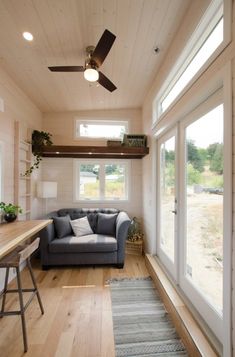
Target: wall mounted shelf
112, 152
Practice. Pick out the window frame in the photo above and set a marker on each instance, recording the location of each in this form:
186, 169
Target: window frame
111, 122
102, 163
216, 10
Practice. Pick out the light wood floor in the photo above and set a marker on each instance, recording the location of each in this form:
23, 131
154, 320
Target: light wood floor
78, 318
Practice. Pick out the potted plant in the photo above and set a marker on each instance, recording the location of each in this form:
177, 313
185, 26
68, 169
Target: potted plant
135, 232
39, 140
10, 211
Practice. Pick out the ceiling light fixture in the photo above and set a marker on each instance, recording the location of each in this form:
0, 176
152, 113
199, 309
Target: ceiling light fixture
91, 75
28, 36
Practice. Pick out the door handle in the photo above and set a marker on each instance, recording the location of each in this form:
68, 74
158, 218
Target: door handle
175, 212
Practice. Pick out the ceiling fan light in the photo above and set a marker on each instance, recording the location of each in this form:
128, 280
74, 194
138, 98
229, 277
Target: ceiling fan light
28, 36
91, 75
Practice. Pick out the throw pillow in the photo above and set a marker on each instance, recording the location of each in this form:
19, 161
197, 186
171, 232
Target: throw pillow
81, 227
62, 226
106, 224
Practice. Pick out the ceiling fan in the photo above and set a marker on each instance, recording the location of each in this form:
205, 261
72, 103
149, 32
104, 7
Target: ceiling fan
95, 58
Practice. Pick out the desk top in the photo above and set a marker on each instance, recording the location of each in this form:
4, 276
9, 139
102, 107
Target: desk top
14, 233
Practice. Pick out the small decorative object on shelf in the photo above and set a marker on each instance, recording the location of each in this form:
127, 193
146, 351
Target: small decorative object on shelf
10, 211
135, 140
114, 143
39, 140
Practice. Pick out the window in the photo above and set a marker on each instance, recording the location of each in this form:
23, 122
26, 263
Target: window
100, 129
206, 40
101, 180
209, 46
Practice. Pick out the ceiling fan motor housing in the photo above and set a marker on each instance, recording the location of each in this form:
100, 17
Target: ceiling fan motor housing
89, 62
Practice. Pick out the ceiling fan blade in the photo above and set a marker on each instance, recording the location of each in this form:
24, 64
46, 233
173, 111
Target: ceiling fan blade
105, 82
67, 69
103, 47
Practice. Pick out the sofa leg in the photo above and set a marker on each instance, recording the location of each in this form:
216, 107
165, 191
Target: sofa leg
45, 267
120, 266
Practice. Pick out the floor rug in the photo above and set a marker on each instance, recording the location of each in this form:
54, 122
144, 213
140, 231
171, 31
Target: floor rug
141, 324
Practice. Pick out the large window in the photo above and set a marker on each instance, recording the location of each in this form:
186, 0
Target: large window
99, 129
101, 180
205, 42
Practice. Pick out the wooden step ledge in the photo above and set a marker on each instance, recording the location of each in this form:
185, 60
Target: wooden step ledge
188, 329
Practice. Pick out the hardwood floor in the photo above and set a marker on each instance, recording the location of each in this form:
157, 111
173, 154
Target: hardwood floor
78, 317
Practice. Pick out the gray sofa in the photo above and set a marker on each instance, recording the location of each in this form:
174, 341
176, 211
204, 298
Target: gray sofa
106, 245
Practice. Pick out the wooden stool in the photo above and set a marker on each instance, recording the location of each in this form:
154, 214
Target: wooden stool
13, 260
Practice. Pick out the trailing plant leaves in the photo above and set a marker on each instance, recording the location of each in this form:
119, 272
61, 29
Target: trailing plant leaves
39, 140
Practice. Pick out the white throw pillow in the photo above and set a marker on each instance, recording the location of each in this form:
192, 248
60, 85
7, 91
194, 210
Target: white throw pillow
81, 227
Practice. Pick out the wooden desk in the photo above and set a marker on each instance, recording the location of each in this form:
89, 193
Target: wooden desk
13, 234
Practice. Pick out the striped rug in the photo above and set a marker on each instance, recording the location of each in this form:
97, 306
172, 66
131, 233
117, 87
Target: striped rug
141, 324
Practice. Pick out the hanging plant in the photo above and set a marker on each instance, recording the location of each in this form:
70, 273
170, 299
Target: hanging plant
39, 140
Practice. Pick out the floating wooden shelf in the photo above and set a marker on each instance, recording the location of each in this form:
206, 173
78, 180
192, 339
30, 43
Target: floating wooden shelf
112, 152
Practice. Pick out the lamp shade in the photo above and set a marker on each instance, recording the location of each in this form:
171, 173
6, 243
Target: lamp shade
47, 189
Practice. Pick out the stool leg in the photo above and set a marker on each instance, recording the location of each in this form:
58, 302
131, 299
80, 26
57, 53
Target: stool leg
22, 309
4, 291
35, 285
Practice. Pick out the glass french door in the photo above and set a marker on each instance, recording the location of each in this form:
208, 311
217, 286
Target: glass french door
194, 212
167, 194
202, 188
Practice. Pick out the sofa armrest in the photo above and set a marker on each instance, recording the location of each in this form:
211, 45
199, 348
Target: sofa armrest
122, 225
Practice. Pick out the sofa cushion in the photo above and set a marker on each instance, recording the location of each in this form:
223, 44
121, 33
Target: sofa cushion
86, 244
81, 227
62, 226
91, 213
106, 224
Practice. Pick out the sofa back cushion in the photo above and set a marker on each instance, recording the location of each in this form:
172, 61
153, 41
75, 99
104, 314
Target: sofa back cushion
106, 224
91, 213
62, 226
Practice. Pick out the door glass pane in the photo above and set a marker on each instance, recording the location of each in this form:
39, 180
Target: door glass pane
115, 182
167, 197
204, 205
89, 185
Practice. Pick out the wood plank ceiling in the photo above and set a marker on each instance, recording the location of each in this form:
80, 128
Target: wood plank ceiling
63, 28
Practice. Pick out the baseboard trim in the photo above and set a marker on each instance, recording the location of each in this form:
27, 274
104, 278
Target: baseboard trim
188, 329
